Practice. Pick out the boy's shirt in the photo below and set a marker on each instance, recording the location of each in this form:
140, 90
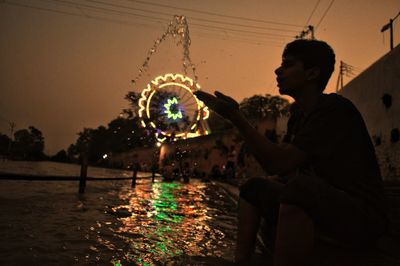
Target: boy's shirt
339, 147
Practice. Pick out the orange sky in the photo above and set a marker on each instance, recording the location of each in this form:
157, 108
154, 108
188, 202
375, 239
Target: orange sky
62, 72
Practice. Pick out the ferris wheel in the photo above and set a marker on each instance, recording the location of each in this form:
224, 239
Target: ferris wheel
169, 106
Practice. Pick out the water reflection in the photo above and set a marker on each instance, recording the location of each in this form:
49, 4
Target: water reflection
49, 223
163, 223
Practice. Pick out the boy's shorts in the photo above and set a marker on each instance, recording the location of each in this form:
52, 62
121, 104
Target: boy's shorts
335, 213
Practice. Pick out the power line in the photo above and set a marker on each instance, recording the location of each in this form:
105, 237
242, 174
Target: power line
238, 39
241, 31
156, 18
152, 19
190, 17
312, 13
74, 14
234, 34
215, 14
326, 11
74, 4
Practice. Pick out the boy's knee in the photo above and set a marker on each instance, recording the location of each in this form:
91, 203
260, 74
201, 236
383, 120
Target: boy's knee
302, 192
291, 210
261, 192
250, 184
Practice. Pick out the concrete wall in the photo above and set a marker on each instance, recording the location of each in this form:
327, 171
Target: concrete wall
366, 92
144, 156
202, 152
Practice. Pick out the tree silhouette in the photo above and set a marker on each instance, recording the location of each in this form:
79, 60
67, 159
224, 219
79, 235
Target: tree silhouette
28, 144
5, 143
259, 107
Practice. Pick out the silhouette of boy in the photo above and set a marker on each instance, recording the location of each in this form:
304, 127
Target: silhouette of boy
325, 182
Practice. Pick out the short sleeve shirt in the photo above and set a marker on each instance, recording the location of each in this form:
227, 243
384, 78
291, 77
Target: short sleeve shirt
339, 148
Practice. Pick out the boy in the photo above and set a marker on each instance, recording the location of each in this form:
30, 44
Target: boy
326, 180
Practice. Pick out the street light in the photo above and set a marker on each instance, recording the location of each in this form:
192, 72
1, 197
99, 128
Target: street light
390, 26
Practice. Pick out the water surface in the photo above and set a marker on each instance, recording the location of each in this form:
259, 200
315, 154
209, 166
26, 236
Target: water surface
49, 223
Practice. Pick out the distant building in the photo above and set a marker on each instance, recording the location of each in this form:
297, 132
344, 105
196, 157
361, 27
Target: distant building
376, 93
144, 156
202, 153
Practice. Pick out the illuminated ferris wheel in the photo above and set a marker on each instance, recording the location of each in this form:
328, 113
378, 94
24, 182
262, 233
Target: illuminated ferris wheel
169, 106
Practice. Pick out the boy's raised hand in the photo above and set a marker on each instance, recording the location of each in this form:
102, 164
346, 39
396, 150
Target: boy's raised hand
224, 105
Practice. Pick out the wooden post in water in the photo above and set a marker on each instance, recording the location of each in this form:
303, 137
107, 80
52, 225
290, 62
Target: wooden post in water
82, 179
134, 176
135, 169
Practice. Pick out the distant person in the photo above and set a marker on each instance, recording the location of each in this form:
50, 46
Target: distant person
230, 166
135, 169
215, 172
326, 181
168, 172
154, 169
271, 135
186, 172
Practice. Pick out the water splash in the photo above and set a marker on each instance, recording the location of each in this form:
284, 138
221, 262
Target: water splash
178, 28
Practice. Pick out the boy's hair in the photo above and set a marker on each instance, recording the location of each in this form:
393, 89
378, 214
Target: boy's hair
313, 53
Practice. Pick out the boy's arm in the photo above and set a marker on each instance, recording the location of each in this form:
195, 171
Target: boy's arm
273, 158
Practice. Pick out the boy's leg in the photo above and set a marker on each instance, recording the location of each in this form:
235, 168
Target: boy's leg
295, 237
259, 197
335, 214
249, 220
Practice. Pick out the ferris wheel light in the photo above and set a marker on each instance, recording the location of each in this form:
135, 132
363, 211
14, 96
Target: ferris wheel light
170, 114
161, 140
183, 104
206, 113
143, 100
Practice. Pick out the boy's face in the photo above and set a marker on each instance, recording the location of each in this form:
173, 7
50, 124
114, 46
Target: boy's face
291, 76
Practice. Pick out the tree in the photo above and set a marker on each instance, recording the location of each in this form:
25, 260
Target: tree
60, 156
38, 143
259, 107
72, 153
5, 143
28, 144
133, 99
122, 134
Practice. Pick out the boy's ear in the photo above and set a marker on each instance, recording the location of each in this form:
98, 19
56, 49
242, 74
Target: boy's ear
313, 73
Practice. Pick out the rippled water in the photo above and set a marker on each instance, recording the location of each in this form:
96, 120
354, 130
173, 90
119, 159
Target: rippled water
173, 222
49, 223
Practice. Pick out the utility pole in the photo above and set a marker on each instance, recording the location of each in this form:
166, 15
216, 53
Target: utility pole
340, 77
12, 127
390, 27
344, 69
341, 74
309, 30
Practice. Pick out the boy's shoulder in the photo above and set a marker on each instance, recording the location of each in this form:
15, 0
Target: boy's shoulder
337, 103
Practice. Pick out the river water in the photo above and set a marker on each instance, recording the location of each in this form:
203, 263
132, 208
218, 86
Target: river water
49, 223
